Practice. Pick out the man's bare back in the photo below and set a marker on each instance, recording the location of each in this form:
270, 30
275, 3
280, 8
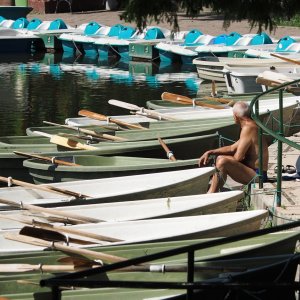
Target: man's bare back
250, 132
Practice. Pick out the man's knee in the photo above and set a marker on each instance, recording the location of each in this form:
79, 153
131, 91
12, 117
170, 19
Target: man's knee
222, 161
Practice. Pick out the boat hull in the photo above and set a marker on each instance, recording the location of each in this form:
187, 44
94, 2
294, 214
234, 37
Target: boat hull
268, 244
117, 189
183, 148
93, 167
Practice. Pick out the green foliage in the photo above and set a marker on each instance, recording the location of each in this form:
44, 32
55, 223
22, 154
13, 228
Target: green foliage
262, 13
295, 21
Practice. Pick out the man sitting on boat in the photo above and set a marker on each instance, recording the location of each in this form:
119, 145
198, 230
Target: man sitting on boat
239, 160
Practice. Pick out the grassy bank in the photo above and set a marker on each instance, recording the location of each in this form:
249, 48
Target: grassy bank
295, 21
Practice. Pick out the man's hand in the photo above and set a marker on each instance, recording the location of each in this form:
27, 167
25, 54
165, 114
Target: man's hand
204, 159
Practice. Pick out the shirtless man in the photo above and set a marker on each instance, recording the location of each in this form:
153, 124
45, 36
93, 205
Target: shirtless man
240, 160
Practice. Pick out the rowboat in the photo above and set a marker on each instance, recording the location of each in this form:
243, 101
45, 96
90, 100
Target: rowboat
245, 270
241, 80
124, 188
268, 244
189, 113
151, 124
130, 210
93, 167
156, 230
12, 164
210, 68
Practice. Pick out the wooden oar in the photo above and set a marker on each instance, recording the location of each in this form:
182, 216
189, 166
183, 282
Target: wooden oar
89, 132
65, 142
50, 211
147, 112
174, 97
53, 160
221, 100
30, 219
169, 153
23, 268
70, 267
293, 61
186, 100
100, 117
50, 235
42, 187
71, 230
213, 88
64, 248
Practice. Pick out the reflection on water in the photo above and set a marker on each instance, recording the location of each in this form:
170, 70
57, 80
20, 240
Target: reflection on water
53, 87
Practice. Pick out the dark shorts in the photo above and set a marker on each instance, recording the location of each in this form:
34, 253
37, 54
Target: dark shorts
264, 175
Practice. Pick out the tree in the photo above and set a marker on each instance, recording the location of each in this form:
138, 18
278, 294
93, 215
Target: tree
261, 13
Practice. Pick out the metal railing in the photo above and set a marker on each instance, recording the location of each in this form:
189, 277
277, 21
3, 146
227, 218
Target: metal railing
80, 279
279, 136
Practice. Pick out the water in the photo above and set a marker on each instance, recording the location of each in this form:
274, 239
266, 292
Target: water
53, 87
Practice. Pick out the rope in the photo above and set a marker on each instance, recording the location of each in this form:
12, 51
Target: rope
221, 138
273, 215
76, 48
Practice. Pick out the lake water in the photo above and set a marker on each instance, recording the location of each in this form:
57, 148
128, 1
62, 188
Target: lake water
52, 87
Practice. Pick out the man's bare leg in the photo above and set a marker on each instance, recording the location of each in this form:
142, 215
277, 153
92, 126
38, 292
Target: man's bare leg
227, 165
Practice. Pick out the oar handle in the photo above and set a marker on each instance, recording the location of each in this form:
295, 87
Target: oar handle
22, 268
100, 117
169, 153
45, 188
64, 248
53, 160
49, 211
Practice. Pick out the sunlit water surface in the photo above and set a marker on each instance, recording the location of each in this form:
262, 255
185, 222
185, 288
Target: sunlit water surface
51, 87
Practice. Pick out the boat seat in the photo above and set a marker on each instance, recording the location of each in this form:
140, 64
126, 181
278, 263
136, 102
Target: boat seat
91, 28
192, 37
260, 39
232, 38
20, 23
154, 33
220, 39
34, 23
115, 30
69, 2
57, 24
126, 32
285, 42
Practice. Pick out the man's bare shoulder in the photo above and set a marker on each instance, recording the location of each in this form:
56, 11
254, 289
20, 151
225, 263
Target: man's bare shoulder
249, 128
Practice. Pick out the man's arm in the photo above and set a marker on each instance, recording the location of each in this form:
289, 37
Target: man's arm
244, 143
226, 150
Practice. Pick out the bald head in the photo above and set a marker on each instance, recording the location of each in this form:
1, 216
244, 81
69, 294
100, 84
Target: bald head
241, 109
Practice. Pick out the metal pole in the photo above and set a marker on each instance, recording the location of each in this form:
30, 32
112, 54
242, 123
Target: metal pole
279, 154
190, 273
260, 148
